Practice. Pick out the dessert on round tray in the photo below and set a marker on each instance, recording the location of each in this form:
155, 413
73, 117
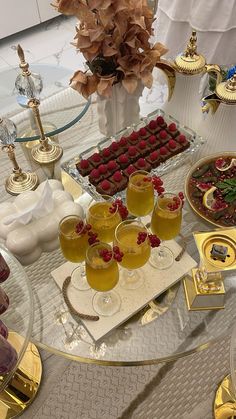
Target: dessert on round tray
211, 189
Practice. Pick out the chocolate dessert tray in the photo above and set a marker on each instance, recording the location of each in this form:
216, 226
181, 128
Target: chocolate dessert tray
157, 144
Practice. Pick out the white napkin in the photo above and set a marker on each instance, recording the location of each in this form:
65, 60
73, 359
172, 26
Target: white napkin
43, 206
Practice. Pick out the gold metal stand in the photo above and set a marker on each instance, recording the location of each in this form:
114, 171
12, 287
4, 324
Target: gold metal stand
19, 181
225, 401
23, 387
45, 152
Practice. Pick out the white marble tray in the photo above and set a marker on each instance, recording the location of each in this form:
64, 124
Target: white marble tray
156, 282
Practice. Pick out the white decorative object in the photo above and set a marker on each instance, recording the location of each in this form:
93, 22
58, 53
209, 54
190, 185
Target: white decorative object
29, 224
118, 111
155, 283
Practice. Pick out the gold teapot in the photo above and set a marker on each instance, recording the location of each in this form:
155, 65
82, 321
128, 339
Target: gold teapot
184, 75
219, 125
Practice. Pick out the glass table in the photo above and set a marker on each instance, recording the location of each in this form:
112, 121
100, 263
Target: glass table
19, 387
174, 331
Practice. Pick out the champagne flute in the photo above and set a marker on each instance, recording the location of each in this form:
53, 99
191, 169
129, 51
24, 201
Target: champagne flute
140, 193
74, 243
103, 274
135, 252
104, 218
166, 224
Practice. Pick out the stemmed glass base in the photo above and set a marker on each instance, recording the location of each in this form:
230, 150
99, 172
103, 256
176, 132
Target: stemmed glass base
131, 279
161, 258
106, 303
78, 278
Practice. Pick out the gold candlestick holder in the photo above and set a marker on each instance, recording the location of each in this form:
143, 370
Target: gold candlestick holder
46, 152
18, 181
205, 289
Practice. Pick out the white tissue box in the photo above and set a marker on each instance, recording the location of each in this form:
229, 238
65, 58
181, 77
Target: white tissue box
29, 224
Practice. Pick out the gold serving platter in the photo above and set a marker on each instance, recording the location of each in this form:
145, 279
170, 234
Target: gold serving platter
200, 163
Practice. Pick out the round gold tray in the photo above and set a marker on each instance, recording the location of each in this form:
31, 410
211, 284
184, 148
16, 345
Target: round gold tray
186, 186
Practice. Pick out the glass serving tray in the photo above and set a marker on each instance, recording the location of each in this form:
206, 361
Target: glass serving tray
195, 142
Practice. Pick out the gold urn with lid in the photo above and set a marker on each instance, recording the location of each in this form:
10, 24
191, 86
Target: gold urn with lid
184, 75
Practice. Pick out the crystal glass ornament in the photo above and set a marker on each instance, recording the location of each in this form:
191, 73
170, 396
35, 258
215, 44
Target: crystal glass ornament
7, 131
28, 87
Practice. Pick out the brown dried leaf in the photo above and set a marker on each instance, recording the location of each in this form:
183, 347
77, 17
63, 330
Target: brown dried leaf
147, 78
96, 34
104, 87
79, 76
99, 4
85, 89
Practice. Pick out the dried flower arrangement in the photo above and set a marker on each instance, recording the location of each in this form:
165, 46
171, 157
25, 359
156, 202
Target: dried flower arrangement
113, 36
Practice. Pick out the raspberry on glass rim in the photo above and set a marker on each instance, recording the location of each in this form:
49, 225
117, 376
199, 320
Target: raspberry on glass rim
84, 167
105, 187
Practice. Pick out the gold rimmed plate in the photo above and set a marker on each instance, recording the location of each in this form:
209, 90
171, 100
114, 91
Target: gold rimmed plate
189, 198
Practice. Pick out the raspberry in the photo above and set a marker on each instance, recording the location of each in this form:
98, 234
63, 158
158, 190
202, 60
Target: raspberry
123, 158
134, 136
114, 146
96, 157
79, 227
163, 134
154, 155
152, 139
112, 165
141, 162
181, 138
102, 169
130, 169
172, 144
142, 144
123, 141
117, 176
105, 184
154, 240
163, 151
142, 235
160, 120
84, 164
106, 152
152, 124
143, 132
132, 151
172, 127
95, 174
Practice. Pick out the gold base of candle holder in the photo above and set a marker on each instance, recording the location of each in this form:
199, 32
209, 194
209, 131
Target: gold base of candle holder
48, 153
198, 299
18, 183
225, 401
24, 385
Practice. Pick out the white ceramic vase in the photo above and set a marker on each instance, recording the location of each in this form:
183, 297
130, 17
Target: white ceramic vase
118, 111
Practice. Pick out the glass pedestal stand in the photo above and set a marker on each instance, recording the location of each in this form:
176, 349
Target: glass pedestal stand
19, 387
24, 383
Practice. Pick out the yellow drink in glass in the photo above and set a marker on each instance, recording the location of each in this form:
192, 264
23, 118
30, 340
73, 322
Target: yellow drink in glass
140, 194
73, 244
103, 276
103, 222
165, 223
135, 255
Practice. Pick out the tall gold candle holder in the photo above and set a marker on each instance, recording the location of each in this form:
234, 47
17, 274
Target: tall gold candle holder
205, 289
18, 181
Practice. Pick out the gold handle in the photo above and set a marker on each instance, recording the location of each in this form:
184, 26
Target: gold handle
169, 72
214, 68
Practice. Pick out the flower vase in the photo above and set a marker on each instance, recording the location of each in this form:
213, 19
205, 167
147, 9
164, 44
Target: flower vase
119, 110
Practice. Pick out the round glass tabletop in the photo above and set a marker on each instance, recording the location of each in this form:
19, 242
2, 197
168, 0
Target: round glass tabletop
19, 315
61, 107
